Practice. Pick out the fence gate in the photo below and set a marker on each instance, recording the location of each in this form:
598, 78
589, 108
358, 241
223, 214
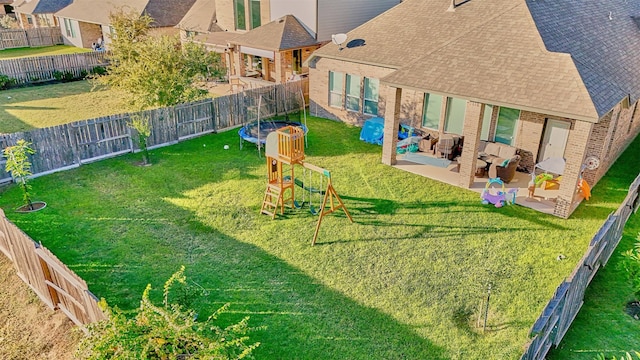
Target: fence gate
100, 138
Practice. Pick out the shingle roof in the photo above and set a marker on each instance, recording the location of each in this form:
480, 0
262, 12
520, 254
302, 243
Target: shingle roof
164, 12
42, 6
603, 39
201, 17
489, 51
281, 34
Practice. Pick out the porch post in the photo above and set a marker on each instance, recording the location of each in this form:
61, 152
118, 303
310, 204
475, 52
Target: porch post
471, 130
279, 64
391, 123
239, 61
574, 156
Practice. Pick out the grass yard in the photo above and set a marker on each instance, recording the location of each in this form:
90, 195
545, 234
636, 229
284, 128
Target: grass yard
40, 51
27, 108
405, 281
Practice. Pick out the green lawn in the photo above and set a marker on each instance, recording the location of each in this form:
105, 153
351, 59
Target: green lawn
27, 108
405, 281
40, 51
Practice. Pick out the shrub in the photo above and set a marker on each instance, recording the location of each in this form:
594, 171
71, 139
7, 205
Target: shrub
68, 76
58, 75
6, 82
166, 331
99, 70
142, 125
8, 22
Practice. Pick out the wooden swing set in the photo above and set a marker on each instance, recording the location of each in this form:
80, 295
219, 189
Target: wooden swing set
284, 149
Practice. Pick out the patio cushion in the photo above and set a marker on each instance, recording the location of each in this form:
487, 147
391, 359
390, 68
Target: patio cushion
507, 152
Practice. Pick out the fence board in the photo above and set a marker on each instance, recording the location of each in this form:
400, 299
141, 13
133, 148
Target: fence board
16, 38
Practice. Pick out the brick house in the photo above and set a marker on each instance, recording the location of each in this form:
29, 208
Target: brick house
272, 39
550, 78
84, 23
38, 13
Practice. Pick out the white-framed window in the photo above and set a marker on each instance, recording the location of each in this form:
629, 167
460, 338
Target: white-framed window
336, 86
432, 111
352, 90
68, 27
454, 119
371, 96
506, 125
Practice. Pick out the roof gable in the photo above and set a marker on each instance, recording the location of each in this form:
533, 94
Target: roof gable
281, 34
603, 39
201, 17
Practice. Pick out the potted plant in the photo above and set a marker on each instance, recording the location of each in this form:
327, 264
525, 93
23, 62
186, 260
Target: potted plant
19, 166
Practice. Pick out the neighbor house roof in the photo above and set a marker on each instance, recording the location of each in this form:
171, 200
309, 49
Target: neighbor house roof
281, 34
488, 51
201, 17
164, 12
41, 6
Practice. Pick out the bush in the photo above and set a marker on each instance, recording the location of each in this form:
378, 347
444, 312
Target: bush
6, 82
631, 264
99, 70
166, 331
58, 75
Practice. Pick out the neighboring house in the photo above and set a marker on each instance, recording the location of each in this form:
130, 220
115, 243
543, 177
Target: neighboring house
85, 22
550, 78
38, 13
272, 39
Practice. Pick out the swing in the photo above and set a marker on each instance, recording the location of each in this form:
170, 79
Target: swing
300, 183
312, 190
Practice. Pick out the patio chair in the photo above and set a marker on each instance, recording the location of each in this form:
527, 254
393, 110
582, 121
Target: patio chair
504, 170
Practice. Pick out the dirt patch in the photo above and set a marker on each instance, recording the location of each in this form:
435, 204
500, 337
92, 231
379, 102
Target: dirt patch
28, 328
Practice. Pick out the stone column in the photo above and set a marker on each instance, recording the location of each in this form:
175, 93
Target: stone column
471, 130
238, 61
391, 123
574, 156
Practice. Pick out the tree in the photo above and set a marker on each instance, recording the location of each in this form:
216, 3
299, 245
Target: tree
166, 331
155, 70
19, 166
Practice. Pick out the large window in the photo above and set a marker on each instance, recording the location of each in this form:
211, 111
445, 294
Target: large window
68, 27
506, 125
353, 92
432, 111
241, 20
255, 13
336, 84
371, 95
486, 122
454, 121
297, 60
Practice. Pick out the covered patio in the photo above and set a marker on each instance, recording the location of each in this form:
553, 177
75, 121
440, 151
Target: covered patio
543, 200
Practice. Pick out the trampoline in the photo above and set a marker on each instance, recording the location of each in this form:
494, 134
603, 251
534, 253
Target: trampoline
257, 131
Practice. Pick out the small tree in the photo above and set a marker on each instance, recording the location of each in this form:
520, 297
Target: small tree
20, 168
166, 331
155, 70
142, 125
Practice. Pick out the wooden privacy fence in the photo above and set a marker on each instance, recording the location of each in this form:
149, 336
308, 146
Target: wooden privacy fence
42, 68
54, 283
559, 313
68, 146
16, 38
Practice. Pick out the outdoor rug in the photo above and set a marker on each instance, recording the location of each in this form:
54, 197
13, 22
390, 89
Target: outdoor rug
426, 160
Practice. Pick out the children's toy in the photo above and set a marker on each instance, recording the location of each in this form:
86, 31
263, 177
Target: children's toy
498, 198
284, 150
